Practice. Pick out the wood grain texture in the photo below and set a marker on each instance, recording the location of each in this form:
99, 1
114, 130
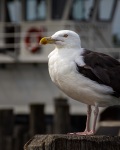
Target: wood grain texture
73, 142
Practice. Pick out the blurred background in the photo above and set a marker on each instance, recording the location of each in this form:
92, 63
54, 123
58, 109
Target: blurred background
29, 102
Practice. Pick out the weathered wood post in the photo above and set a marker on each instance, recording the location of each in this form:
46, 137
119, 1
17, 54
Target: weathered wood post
61, 116
6, 128
73, 142
37, 119
19, 132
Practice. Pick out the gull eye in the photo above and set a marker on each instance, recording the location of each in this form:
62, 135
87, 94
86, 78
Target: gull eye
65, 35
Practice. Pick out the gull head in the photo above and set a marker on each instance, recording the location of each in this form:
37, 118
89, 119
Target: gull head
63, 39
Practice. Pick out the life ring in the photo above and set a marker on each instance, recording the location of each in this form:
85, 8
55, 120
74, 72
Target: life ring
32, 40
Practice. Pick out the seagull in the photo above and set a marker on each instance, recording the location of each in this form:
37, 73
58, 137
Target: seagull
86, 76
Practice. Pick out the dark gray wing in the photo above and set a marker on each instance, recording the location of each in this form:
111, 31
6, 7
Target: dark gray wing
102, 69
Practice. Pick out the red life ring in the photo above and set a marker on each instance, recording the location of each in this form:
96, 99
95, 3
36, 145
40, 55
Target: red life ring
32, 39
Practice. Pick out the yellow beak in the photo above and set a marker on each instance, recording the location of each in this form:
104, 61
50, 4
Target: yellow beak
47, 40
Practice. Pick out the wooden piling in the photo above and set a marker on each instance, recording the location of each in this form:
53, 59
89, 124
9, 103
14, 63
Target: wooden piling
61, 116
6, 129
73, 142
6, 122
37, 119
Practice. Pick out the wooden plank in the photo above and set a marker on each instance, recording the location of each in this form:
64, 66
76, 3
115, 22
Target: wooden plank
73, 142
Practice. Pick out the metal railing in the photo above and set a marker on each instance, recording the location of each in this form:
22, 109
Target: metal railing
19, 41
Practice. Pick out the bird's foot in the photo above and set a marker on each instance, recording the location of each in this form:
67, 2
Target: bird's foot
83, 133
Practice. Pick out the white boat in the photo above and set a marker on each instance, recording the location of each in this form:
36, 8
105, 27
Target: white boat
24, 77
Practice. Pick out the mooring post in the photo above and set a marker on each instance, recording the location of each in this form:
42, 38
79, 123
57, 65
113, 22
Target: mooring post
73, 142
37, 119
61, 116
6, 128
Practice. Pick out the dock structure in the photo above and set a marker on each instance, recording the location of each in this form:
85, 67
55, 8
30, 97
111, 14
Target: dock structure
73, 142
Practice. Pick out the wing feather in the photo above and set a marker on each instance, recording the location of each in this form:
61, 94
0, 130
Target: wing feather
101, 68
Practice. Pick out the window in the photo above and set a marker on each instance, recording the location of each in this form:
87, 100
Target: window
105, 9
58, 8
35, 10
13, 11
81, 9
78, 10
12, 15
